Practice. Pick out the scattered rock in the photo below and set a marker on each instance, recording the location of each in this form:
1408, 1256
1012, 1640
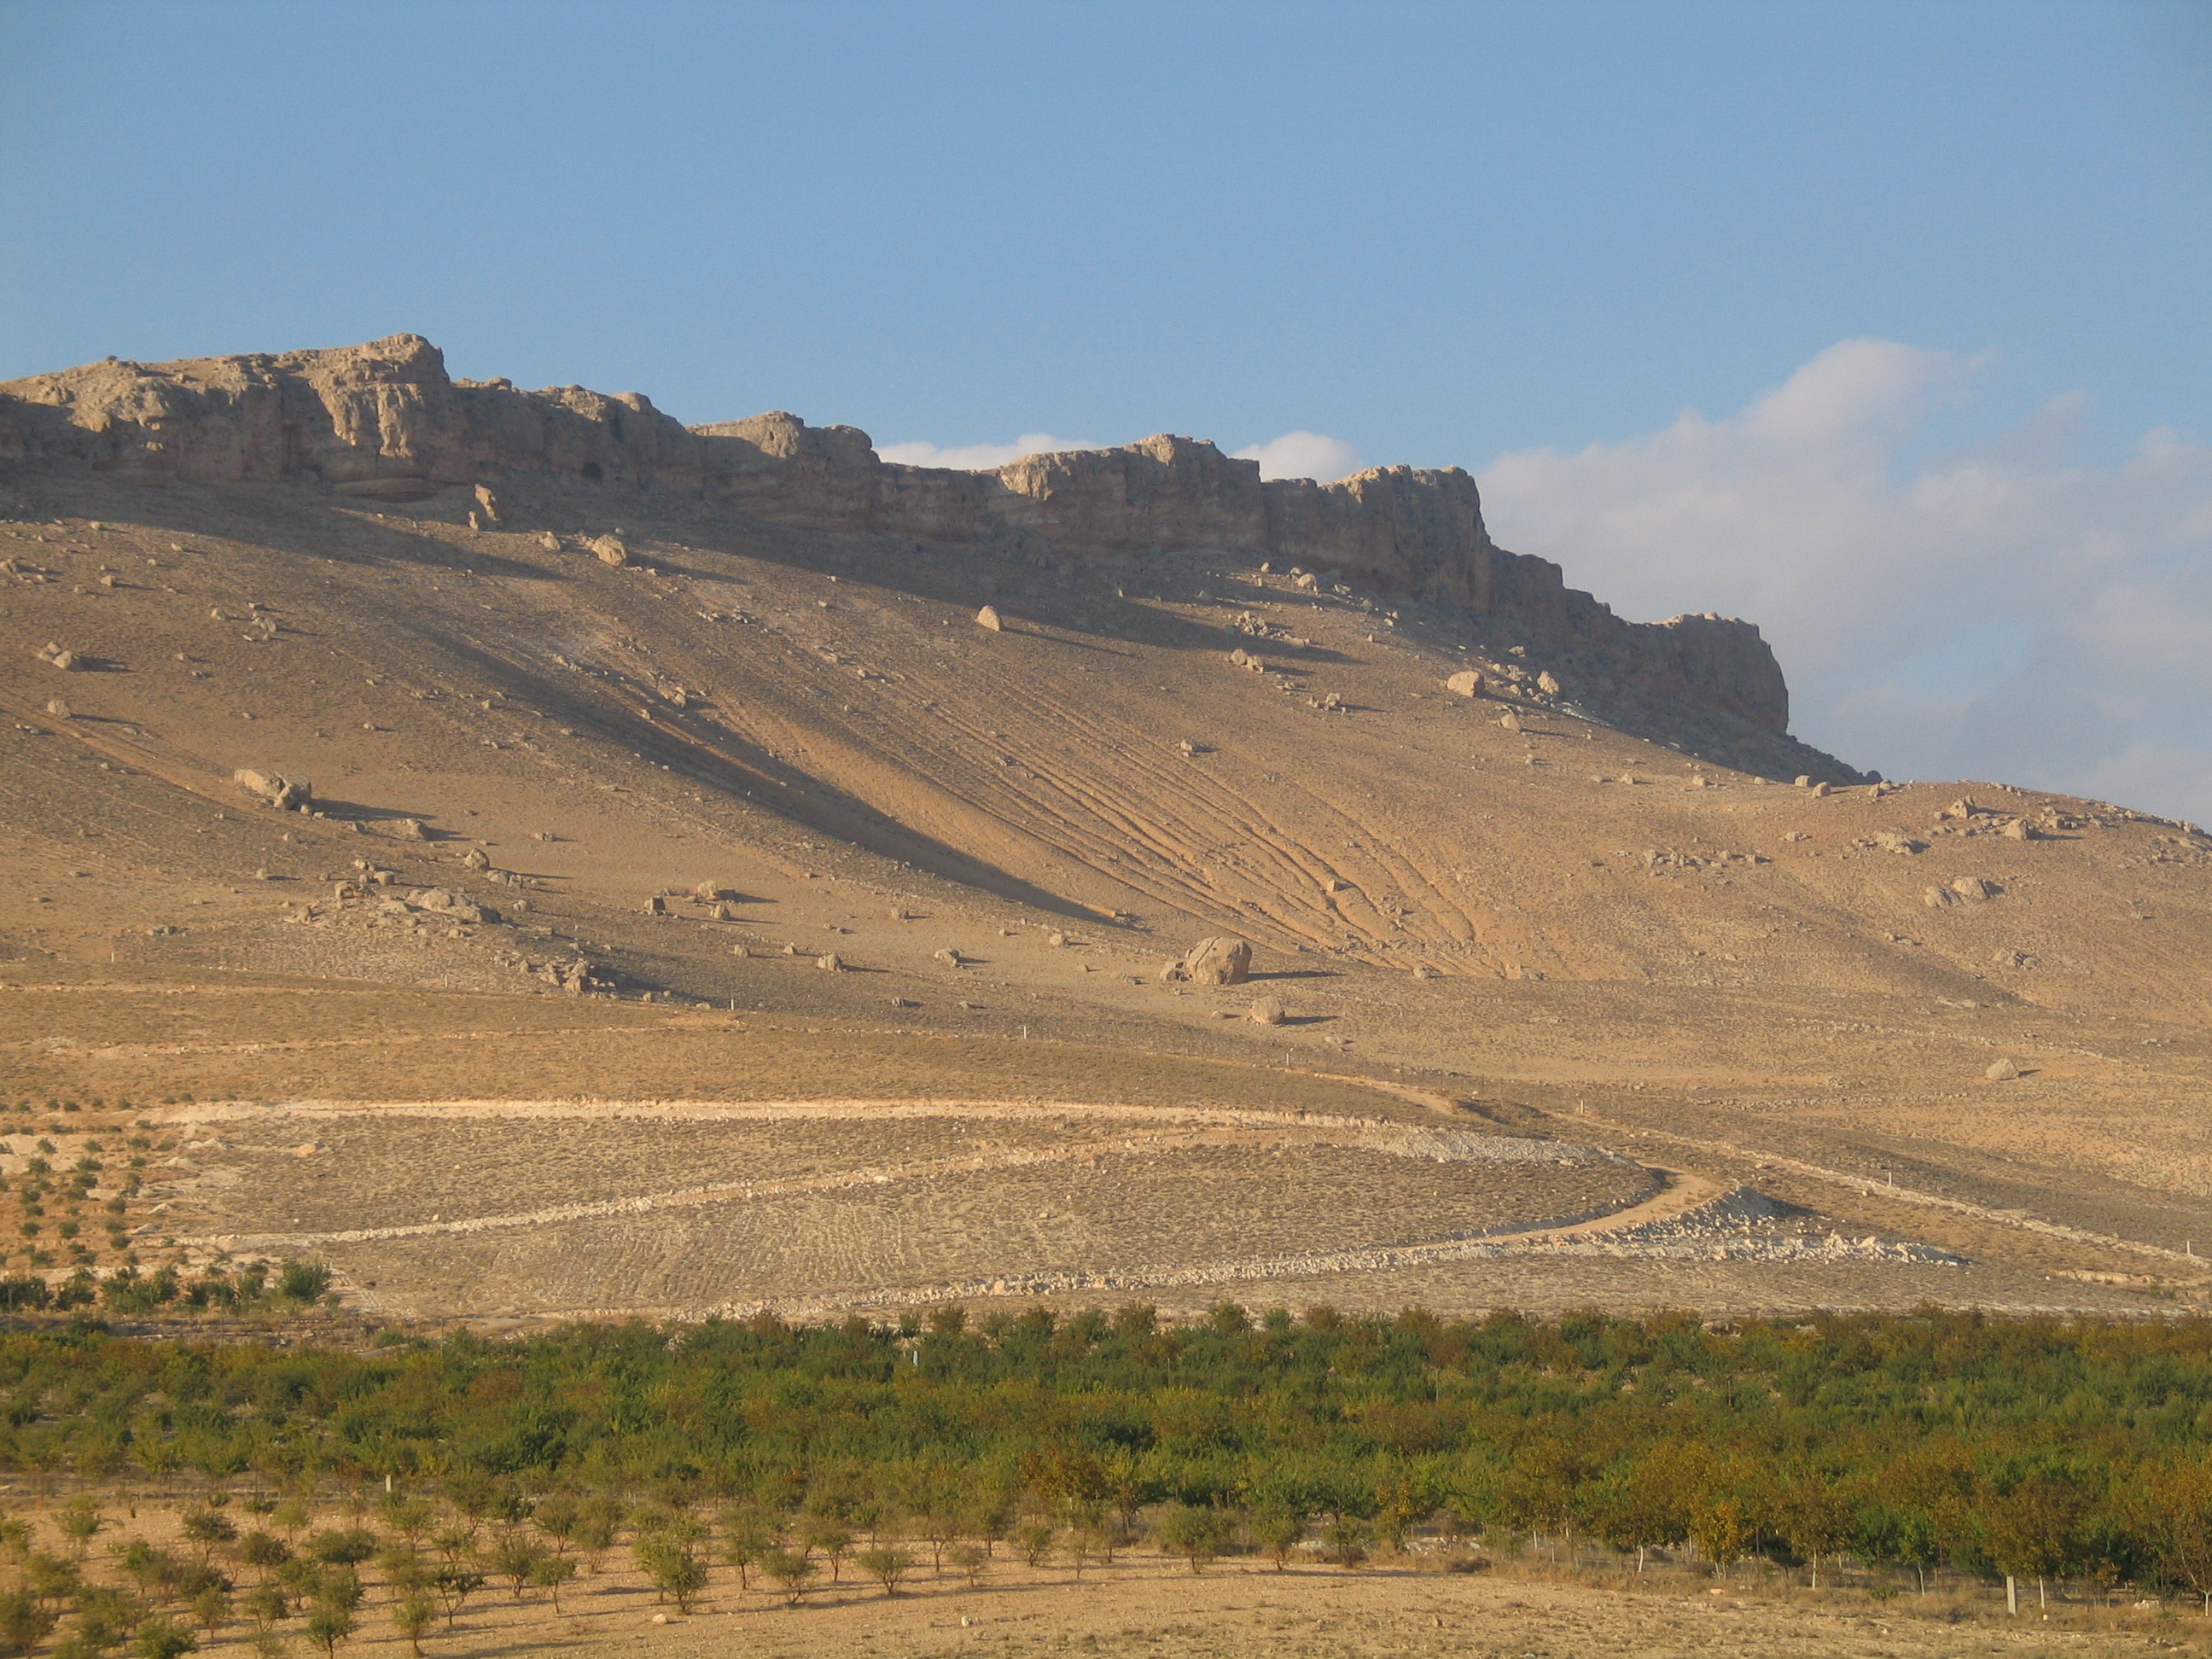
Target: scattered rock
723, 911
988, 618
58, 709
448, 903
1548, 684
1220, 960
488, 504
2020, 830
475, 859
1466, 683
1802, 781
1510, 720
1267, 1011
1422, 970
408, 829
2003, 1071
1896, 840
709, 892
950, 958
609, 550
549, 541
1305, 578
656, 906
830, 962
1975, 890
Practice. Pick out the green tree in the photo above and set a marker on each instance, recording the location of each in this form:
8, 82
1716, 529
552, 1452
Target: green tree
208, 1528
53, 1580
412, 1617
211, 1609
345, 1547
1646, 1506
328, 1626
453, 1584
2033, 1527
303, 1282
674, 1567
550, 1573
747, 1535
25, 1622
1346, 1535
162, 1638
1279, 1527
1034, 1540
79, 1520
267, 1604
790, 1571
1815, 1519
556, 1518
1723, 1528
264, 1552
830, 1534
156, 1571
971, 1561
886, 1565
514, 1558
1196, 1532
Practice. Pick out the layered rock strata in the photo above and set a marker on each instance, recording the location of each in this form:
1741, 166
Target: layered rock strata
385, 421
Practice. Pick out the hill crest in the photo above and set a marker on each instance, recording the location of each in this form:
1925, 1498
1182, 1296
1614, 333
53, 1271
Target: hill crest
385, 421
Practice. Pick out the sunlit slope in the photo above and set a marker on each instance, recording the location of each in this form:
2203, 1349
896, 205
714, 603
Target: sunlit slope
741, 703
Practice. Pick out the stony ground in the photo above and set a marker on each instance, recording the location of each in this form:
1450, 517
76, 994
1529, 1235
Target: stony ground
1548, 925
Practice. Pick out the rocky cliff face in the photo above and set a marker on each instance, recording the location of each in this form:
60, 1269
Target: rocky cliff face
384, 421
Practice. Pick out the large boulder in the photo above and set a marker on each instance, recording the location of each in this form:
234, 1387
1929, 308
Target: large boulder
1221, 960
278, 791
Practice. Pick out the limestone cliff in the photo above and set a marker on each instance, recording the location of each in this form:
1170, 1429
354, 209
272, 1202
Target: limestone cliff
384, 421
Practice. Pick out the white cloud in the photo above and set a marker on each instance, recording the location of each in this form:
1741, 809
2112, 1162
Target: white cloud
1302, 455
976, 457
2007, 611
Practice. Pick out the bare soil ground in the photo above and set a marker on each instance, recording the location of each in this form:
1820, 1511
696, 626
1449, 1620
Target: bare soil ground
1505, 1601
527, 764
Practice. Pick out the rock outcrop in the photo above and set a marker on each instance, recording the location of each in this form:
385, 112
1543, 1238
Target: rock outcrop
1220, 960
385, 421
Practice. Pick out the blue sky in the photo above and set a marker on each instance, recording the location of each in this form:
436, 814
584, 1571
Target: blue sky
1440, 234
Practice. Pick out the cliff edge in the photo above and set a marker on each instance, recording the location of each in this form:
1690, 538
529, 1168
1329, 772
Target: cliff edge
384, 421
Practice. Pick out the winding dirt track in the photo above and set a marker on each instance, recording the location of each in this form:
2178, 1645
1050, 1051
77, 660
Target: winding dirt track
1680, 1212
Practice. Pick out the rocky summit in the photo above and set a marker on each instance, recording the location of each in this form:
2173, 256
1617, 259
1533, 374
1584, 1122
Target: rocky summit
383, 422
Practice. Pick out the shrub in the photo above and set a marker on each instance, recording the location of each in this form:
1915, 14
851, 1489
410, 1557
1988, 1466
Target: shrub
162, 1638
886, 1566
302, 1281
1196, 1532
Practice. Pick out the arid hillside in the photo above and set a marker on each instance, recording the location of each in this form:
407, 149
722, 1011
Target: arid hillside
594, 761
